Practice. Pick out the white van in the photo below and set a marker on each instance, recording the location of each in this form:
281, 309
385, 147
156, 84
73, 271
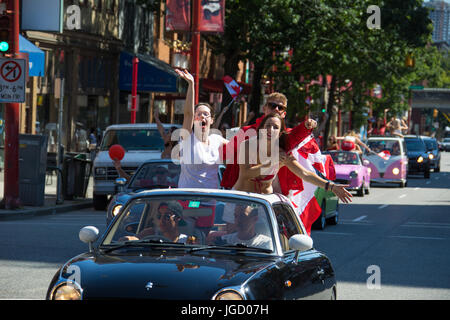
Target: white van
141, 141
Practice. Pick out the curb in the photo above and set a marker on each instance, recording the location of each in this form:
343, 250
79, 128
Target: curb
33, 212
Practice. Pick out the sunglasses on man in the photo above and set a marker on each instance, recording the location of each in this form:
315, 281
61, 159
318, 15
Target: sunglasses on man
167, 216
274, 106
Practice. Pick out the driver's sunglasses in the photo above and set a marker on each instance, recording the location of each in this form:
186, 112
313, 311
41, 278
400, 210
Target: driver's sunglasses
274, 106
166, 216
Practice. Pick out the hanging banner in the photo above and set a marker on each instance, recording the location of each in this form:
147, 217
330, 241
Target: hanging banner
212, 17
178, 15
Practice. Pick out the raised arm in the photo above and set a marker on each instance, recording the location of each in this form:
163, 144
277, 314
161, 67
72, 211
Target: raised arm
309, 176
219, 118
161, 130
188, 120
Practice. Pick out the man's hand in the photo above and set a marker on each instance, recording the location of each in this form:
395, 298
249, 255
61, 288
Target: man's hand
310, 124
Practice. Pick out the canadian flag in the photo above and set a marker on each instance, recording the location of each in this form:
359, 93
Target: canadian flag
385, 154
308, 154
232, 86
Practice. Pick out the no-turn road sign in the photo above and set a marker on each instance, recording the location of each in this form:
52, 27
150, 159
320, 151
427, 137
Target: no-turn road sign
12, 80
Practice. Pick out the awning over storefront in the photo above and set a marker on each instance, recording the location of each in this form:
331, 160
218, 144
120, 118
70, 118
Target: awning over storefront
153, 75
36, 57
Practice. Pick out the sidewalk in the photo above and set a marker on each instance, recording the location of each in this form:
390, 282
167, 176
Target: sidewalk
50, 206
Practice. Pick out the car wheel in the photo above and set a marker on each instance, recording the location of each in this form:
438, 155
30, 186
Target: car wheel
426, 174
335, 219
100, 201
360, 191
321, 222
367, 190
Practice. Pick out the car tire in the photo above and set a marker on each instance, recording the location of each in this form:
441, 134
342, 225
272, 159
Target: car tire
367, 190
100, 201
426, 174
335, 219
360, 191
321, 222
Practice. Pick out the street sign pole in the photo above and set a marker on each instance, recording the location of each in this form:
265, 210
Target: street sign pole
134, 89
11, 176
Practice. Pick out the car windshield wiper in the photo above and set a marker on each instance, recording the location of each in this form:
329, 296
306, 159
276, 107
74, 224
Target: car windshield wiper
238, 246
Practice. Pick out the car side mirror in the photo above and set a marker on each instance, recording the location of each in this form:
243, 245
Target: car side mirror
300, 242
366, 162
89, 235
120, 184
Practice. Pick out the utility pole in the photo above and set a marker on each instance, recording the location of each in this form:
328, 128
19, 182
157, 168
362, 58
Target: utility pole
11, 176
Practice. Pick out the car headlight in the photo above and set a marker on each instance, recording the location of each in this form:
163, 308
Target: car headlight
228, 294
420, 159
66, 291
396, 171
353, 174
430, 156
100, 171
116, 209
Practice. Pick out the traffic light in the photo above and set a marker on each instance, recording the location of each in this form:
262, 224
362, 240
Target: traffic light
5, 33
410, 61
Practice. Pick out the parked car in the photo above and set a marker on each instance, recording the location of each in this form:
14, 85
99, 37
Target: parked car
162, 253
388, 161
418, 156
433, 153
141, 141
350, 170
446, 144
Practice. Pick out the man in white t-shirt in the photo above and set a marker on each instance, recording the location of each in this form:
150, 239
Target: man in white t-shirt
245, 218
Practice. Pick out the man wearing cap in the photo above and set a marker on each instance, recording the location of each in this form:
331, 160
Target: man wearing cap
170, 216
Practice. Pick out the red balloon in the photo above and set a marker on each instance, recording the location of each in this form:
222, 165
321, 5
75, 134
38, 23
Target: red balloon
116, 151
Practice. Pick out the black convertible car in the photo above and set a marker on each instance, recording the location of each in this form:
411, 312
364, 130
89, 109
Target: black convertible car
204, 244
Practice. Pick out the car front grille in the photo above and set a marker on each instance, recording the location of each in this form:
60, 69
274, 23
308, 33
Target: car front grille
112, 174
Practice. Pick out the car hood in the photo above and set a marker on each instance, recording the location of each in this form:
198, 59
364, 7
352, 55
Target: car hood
132, 158
415, 154
163, 275
345, 169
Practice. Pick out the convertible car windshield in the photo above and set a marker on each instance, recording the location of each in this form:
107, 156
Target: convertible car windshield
156, 174
344, 157
191, 220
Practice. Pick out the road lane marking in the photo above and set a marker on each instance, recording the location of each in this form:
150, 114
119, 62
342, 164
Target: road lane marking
335, 233
359, 218
402, 196
383, 206
417, 238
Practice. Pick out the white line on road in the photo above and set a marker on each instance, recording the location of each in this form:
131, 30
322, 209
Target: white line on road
336, 233
383, 206
402, 196
419, 238
359, 218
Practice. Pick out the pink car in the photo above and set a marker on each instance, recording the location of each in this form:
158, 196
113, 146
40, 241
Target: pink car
388, 160
351, 170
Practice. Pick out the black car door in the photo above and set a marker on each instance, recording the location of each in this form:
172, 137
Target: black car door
303, 273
